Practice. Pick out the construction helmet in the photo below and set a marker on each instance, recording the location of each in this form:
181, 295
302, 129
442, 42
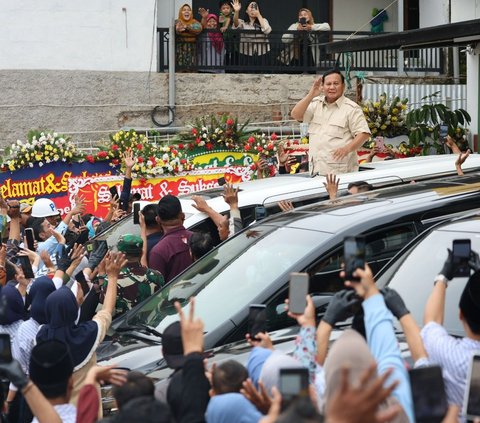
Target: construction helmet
43, 207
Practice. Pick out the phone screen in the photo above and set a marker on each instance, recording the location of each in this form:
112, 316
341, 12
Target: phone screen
136, 211
5, 348
354, 253
428, 393
30, 239
26, 267
472, 394
260, 212
257, 319
461, 250
443, 132
298, 290
114, 191
293, 383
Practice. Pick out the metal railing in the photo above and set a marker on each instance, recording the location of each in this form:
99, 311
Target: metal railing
242, 51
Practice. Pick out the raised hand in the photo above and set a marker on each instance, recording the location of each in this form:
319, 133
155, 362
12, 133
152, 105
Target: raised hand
331, 185
128, 158
230, 195
236, 6
285, 205
317, 87
191, 328
114, 263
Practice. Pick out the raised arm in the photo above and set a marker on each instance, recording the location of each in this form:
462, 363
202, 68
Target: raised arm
114, 263
236, 9
300, 108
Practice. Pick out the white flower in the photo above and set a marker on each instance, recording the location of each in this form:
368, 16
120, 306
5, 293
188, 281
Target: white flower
204, 128
13, 146
40, 164
30, 164
19, 142
204, 135
165, 157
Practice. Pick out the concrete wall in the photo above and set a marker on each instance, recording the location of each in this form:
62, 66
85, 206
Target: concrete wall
351, 15
87, 35
79, 101
168, 8
434, 13
464, 10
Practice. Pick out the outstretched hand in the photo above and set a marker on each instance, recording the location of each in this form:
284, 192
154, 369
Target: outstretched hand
331, 185
191, 328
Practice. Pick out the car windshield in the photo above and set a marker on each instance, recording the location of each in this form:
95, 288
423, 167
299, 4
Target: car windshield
230, 277
413, 279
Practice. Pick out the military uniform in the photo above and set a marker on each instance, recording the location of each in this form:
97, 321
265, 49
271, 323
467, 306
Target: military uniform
332, 126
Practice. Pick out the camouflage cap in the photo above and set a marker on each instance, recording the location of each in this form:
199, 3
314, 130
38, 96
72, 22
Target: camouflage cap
130, 244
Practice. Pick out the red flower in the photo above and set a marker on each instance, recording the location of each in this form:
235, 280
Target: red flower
114, 147
183, 161
251, 140
194, 131
174, 152
181, 146
270, 146
115, 162
198, 140
230, 122
140, 159
190, 146
247, 147
259, 149
273, 137
139, 146
102, 154
90, 158
208, 145
296, 142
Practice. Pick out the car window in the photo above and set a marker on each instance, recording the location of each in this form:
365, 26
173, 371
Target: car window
413, 279
228, 279
380, 247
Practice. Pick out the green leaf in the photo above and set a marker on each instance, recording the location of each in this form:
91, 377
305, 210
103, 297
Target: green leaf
460, 119
466, 115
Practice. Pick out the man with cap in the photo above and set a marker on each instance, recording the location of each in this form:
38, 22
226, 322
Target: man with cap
51, 369
136, 282
171, 256
453, 354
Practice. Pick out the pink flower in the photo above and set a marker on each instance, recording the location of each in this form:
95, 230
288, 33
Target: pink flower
194, 131
274, 136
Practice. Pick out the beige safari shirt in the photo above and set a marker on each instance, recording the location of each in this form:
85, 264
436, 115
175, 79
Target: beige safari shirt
332, 126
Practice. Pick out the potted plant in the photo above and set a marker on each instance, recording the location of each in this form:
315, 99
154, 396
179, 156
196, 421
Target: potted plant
424, 124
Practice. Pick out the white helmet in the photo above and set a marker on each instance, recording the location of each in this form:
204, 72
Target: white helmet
43, 207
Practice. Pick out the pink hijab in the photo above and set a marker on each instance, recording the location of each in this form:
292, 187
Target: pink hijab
215, 37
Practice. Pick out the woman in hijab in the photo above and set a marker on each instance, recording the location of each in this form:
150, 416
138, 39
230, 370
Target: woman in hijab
12, 310
187, 29
62, 312
211, 53
24, 341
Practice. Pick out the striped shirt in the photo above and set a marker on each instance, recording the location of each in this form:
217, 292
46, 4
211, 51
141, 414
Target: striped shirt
67, 413
24, 342
453, 355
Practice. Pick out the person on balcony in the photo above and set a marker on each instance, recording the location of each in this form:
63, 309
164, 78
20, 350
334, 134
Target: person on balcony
337, 125
293, 54
187, 29
254, 47
211, 52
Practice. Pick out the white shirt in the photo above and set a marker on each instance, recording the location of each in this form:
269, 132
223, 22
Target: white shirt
67, 412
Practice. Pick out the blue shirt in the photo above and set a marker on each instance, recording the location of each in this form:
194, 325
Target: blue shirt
384, 347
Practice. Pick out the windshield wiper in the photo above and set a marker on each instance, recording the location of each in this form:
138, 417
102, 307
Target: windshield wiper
140, 327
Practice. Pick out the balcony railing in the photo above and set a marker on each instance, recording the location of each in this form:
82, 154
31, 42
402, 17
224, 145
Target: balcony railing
240, 51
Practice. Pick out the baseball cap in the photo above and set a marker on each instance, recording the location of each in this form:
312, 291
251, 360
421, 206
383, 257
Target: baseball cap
130, 244
25, 208
172, 346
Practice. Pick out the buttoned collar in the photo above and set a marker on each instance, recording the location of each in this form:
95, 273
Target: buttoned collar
339, 101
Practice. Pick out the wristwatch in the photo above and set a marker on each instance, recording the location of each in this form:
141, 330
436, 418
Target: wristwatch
440, 278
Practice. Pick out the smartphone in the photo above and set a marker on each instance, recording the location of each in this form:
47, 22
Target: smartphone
221, 181
26, 267
136, 211
303, 20
428, 393
260, 213
80, 278
354, 255
297, 292
254, 6
293, 383
461, 250
114, 191
5, 348
30, 238
257, 319
442, 133
471, 403
380, 143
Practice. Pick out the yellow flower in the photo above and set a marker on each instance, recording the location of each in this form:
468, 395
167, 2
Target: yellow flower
394, 118
383, 127
395, 111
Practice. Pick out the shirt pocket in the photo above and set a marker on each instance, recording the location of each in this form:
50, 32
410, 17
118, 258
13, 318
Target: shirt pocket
336, 127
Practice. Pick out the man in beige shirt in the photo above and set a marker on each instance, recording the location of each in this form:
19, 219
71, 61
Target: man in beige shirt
337, 126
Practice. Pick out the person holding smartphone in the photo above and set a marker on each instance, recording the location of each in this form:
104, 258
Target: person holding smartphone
451, 353
293, 54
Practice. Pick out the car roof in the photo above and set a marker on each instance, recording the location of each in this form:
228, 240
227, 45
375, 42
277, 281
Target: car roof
332, 216
284, 187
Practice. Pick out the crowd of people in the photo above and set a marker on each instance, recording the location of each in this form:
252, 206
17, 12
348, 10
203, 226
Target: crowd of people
211, 44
